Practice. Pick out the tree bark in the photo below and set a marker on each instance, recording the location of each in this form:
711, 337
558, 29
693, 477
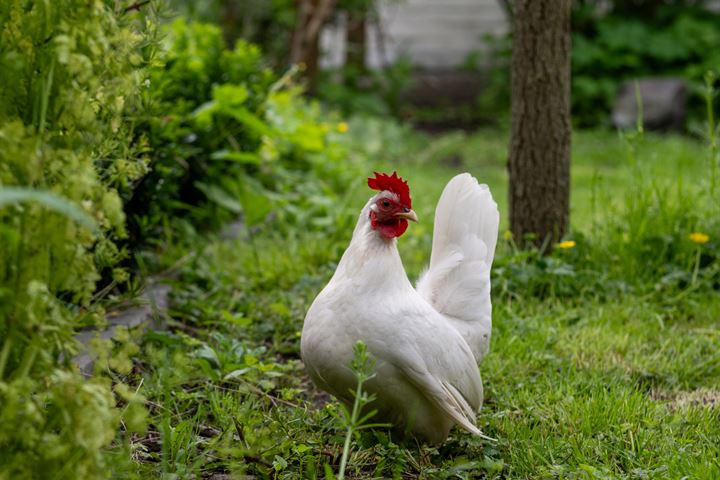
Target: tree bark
305, 42
539, 158
230, 20
355, 41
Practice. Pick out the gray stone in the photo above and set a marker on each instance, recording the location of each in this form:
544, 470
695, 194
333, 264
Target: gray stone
233, 230
664, 104
150, 310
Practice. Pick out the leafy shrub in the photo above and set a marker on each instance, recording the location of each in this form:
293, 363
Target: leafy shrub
617, 41
370, 92
608, 48
70, 72
230, 138
268, 24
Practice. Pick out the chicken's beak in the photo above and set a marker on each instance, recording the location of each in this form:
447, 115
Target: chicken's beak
407, 215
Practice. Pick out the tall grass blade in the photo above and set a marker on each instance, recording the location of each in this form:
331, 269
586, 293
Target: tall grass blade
51, 201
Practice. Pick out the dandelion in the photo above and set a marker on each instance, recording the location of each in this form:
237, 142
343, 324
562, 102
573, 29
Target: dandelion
566, 244
342, 127
699, 237
507, 236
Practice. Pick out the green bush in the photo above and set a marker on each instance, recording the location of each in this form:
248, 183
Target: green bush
617, 41
70, 73
608, 48
368, 92
266, 23
229, 138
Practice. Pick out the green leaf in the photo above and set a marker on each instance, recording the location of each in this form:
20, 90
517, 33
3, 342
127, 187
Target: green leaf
309, 137
236, 373
329, 475
279, 463
230, 95
248, 158
221, 197
51, 201
207, 353
250, 120
204, 114
301, 448
257, 205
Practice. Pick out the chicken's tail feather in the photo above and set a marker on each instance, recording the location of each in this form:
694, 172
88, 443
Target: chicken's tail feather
455, 405
466, 212
457, 282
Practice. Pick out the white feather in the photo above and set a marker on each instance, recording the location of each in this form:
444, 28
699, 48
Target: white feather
457, 282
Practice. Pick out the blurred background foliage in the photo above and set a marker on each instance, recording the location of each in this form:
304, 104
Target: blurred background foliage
130, 129
612, 41
616, 41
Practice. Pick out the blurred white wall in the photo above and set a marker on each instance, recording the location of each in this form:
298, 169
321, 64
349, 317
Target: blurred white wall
433, 34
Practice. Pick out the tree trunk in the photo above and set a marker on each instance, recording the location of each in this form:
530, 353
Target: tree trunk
539, 159
355, 41
305, 42
231, 22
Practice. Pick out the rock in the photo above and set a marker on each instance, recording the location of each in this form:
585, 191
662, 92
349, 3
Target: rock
664, 103
233, 230
154, 303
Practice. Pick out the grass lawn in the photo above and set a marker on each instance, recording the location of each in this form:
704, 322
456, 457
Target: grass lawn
578, 386
604, 167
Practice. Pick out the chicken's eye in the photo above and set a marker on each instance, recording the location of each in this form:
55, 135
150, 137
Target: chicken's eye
385, 203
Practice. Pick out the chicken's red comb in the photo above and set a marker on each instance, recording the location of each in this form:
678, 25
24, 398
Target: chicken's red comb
393, 183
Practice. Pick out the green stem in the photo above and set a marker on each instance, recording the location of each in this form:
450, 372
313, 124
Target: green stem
4, 356
350, 430
696, 270
709, 94
27, 362
639, 120
18, 273
47, 88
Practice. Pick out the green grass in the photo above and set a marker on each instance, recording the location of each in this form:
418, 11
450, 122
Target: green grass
604, 167
601, 386
599, 382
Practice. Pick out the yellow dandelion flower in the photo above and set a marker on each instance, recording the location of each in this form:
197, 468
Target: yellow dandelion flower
699, 237
342, 127
566, 244
507, 236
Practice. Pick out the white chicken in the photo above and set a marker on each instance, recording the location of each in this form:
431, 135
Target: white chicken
427, 343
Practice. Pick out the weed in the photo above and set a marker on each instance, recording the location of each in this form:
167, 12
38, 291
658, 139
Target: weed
351, 420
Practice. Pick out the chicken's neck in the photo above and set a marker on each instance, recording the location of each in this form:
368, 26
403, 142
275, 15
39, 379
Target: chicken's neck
371, 258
